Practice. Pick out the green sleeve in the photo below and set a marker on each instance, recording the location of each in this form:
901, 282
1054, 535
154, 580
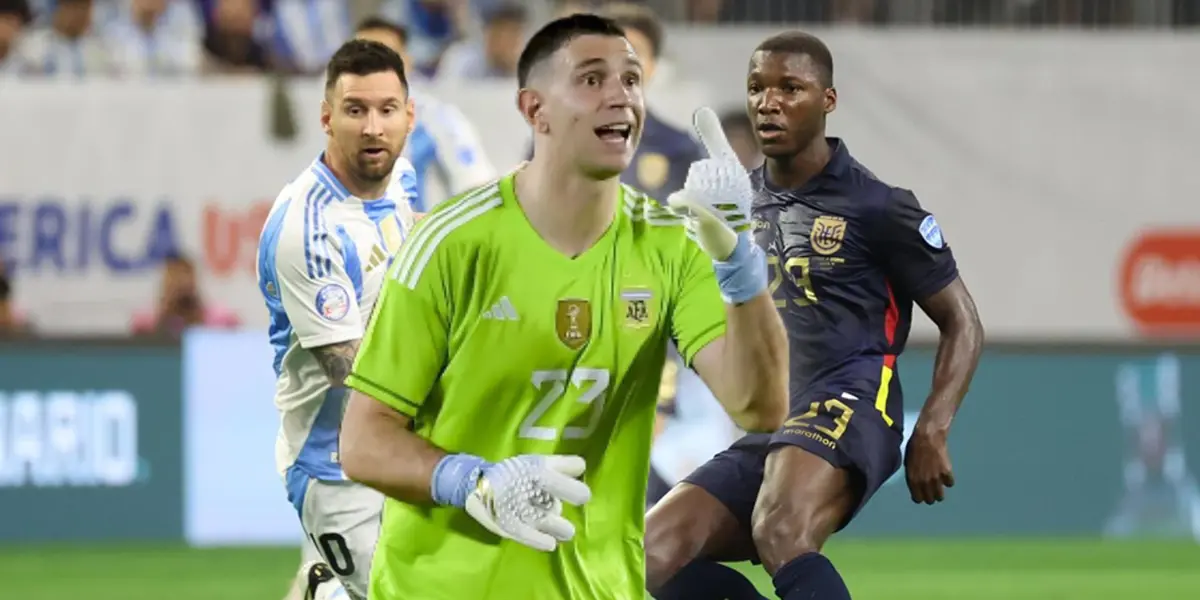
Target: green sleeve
698, 314
405, 345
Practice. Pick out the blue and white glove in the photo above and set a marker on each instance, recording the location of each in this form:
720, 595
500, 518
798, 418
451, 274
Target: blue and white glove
519, 498
715, 202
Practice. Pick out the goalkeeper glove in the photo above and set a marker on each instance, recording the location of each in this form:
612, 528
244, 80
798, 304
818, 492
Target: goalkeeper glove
715, 203
519, 498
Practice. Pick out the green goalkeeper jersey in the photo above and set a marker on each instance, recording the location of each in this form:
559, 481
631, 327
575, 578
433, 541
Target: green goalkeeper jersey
496, 344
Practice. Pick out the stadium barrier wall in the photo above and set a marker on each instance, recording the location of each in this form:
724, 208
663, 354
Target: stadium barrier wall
1061, 440
1018, 141
90, 441
1064, 440
232, 491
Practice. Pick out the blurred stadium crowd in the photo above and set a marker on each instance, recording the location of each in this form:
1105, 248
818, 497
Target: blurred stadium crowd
447, 38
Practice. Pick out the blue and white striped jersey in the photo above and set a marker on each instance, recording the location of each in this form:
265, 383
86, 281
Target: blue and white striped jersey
322, 259
42, 51
172, 46
445, 151
308, 32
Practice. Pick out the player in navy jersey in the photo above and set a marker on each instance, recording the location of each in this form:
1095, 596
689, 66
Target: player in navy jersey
849, 255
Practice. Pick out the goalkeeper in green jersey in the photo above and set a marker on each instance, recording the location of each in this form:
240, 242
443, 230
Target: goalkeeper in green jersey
521, 335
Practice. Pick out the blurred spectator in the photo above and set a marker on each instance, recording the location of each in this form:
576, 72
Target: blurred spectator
389, 34
703, 11
965, 12
563, 8
444, 146
14, 16
12, 322
40, 8
68, 46
180, 304
230, 42
1092, 13
307, 32
432, 26
855, 11
740, 132
155, 37
1185, 13
496, 54
662, 159
774, 11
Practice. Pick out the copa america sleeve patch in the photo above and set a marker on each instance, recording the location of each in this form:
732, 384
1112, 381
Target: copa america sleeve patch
333, 302
932, 233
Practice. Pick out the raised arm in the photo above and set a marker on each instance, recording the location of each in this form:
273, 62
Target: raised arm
746, 368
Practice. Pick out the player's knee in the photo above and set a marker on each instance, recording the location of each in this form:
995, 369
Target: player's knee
670, 545
783, 530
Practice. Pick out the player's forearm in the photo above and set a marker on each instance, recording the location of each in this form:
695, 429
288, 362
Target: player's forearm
959, 347
336, 360
378, 449
754, 387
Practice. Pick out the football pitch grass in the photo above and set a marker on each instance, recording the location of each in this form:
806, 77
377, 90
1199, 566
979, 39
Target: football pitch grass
1002, 569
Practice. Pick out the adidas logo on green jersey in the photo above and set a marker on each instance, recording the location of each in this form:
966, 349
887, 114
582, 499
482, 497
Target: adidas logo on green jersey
502, 310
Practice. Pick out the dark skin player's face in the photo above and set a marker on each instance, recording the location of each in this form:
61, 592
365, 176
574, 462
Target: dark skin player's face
787, 102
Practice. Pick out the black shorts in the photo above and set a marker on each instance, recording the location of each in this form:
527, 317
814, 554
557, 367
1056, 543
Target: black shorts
848, 434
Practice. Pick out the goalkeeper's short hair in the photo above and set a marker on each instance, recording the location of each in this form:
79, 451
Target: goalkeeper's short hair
558, 33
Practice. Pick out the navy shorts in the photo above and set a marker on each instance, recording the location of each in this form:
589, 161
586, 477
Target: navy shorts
848, 434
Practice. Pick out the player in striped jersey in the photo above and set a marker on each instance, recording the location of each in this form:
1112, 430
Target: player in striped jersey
322, 258
520, 338
444, 146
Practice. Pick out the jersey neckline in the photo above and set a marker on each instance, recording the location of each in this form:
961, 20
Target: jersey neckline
587, 258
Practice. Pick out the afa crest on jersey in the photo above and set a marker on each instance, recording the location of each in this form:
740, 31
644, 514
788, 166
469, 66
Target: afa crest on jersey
573, 322
827, 234
637, 308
